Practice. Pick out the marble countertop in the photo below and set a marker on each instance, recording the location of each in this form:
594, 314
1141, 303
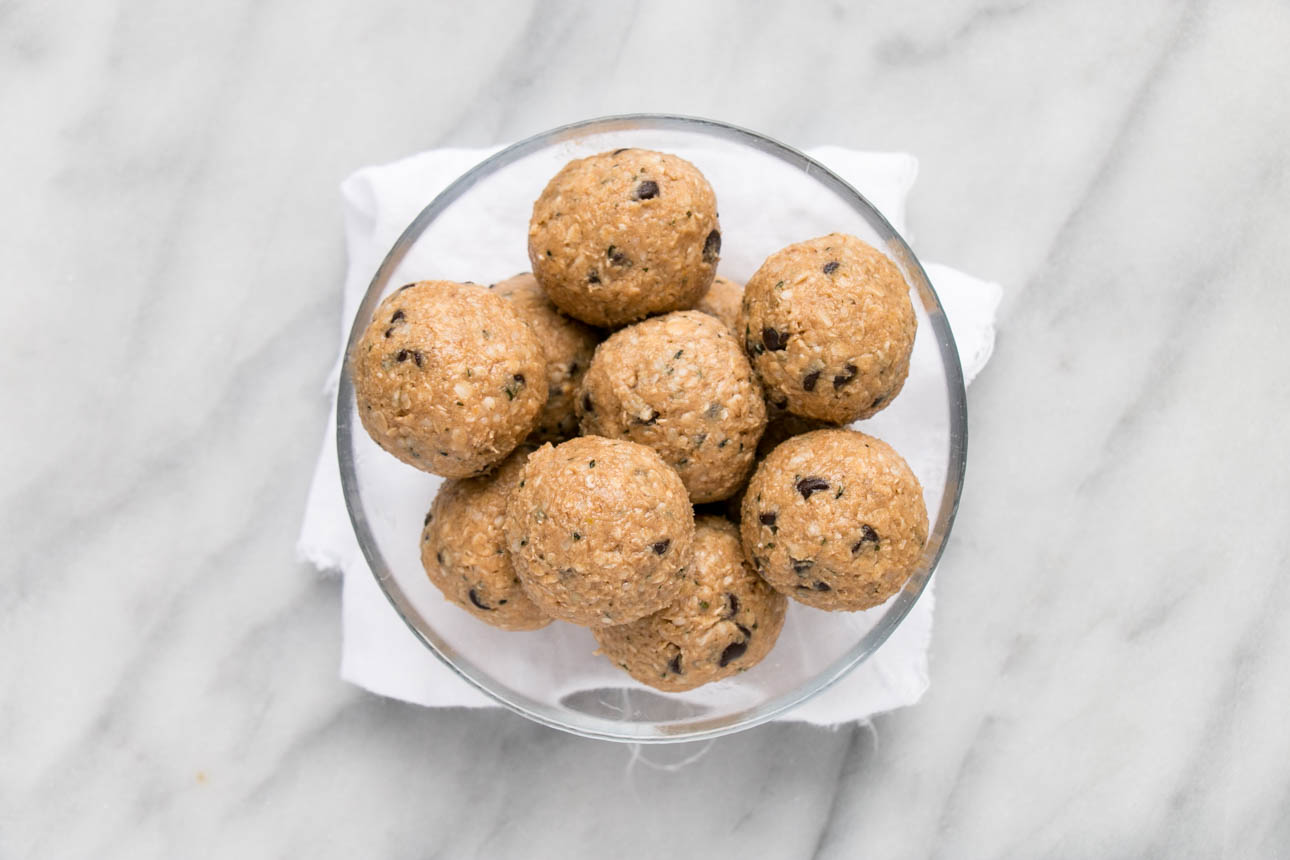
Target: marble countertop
1112, 642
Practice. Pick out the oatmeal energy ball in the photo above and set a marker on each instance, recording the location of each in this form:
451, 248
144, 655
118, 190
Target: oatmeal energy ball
829, 326
834, 519
448, 378
463, 548
722, 300
567, 345
725, 620
600, 531
621, 235
681, 385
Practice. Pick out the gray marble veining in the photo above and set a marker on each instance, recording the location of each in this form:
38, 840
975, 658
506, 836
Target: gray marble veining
1112, 639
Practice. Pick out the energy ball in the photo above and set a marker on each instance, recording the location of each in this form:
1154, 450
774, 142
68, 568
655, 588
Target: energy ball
830, 327
725, 620
600, 531
567, 345
682, 385
834, 519
722, 300
463, 548
621, 235
448, 378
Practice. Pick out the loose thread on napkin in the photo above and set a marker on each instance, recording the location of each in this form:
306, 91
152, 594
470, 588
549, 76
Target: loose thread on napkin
637, 755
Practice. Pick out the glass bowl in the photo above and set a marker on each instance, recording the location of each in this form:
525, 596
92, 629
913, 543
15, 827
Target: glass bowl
552, 675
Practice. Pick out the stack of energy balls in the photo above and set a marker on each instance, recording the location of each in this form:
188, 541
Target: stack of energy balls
686, 390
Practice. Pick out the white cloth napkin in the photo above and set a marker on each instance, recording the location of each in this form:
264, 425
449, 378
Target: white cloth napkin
380, 654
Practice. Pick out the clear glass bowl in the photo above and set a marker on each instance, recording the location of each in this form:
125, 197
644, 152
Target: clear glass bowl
762, 194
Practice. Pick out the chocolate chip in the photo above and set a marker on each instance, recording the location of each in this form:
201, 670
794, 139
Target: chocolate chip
822, 586
801, 565
429, 516
439, 557
389, 331
402, 355
587, 405
674, 665
617, 257
808, 381
830, 267
647, 190
474, 598
733, 651
768, 519
806, 486
867, 535
593, 277
513, 390
744, 630
398, 315
405, 287
877, 401
661, 547
416, 356
848, 373
732, 605
620, 149
774, 340
712, 247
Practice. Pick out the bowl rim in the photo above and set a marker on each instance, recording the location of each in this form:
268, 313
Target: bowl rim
688, 729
